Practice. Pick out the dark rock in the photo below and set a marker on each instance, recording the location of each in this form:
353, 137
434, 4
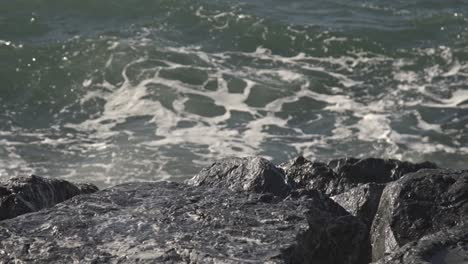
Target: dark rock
87, 187
416, 205
444, 247
361, 201
375, 170
29, 194
253, 174
340, 175
175, 223
303, 173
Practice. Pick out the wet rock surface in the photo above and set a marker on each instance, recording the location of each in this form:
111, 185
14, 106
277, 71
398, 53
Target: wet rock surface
375, 170
361, 201
340, 175
449, 246
416, 205
29, 194
253, 174
175, 223
246, 210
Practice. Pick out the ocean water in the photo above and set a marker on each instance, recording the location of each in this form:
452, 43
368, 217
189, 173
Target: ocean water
112, 91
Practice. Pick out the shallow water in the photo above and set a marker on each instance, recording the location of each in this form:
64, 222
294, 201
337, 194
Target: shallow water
114, 91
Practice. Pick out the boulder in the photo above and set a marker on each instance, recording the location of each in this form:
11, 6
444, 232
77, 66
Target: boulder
23, 195
340, 175
416, 205
303, 173
167, 222
253, 174
449, 246
361, 201
375, 170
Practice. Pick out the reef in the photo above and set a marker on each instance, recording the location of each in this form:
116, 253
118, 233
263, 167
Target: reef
245, 210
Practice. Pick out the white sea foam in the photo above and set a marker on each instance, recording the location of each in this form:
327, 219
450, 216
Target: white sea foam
142, 135
371, 122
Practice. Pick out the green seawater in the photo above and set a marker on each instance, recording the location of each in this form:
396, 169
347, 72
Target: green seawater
113, 91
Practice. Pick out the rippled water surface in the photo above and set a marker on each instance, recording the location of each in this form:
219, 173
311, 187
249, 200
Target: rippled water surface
113, 91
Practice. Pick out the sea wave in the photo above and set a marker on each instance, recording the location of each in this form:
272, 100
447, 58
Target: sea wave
177, 84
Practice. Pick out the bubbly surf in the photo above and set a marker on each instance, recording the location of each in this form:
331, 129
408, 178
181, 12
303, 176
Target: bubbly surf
120, 91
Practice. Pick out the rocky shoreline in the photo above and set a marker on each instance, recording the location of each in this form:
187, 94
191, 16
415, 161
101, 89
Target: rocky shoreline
245, 210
